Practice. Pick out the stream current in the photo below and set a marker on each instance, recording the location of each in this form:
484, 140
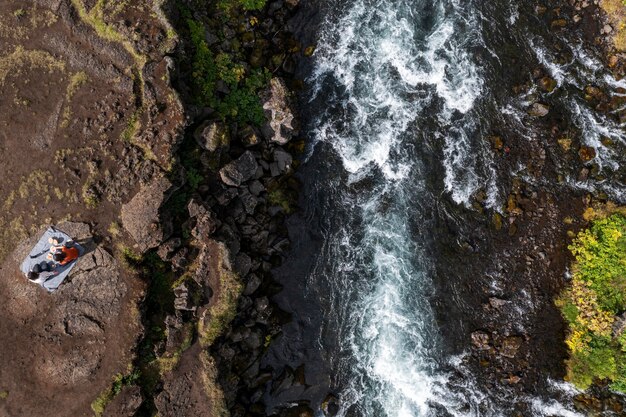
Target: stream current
402, 94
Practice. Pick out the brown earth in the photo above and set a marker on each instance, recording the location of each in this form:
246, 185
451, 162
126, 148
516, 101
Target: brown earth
88, 117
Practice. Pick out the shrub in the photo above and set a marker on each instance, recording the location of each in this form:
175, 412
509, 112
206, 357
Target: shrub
590, 305
242, 103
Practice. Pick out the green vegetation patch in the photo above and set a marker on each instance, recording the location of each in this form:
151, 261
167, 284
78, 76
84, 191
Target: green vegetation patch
119, 382
241, 103
591, 305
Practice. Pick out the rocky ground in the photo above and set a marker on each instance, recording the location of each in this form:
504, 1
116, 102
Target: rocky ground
88, 119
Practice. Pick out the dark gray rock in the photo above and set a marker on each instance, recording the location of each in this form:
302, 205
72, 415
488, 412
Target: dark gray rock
254, 282
256, 188
283, 159
240, 170
242, 264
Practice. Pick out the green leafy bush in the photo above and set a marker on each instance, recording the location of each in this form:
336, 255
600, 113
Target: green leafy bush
242, 102
590, 305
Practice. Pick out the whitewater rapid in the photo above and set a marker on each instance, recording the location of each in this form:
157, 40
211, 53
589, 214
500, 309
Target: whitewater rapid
385, 72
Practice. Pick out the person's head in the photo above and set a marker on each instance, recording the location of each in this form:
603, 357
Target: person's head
44, 266
68, 243
36, 269
58, 257
32, 275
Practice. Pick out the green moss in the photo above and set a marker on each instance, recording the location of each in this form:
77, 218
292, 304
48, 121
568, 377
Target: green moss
4, 395
591, 303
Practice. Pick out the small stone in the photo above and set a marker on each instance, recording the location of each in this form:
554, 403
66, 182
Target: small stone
547, 84
565, 144
539, 110
496, 142
256, 188
607, 29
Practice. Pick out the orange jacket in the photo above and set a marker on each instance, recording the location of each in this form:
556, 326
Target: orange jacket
70, 255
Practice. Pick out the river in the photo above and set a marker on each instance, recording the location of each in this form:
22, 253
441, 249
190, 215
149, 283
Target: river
401, 96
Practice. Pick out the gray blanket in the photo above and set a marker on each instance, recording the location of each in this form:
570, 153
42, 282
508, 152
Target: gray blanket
38, 254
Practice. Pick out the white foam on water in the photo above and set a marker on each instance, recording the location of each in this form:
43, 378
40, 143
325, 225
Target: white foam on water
552, 408
595, 127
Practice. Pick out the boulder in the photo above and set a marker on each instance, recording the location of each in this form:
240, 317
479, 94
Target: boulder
206, 222
212, 135
283, 160
141, 217
539, 110
282, 124
240, 170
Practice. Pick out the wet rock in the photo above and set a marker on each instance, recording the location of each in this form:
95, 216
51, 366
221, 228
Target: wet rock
278, 106
539, 110
586, 153
480, 340
497, 303
141, 217
212, 135
547, 84
240, 170
242, 264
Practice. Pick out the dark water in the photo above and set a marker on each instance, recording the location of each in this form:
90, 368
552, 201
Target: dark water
401, 95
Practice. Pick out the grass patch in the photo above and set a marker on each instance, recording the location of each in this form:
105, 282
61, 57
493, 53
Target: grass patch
76, 81
119, 381
590, 306
224, 310
11, 64
4, 395
96, 19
